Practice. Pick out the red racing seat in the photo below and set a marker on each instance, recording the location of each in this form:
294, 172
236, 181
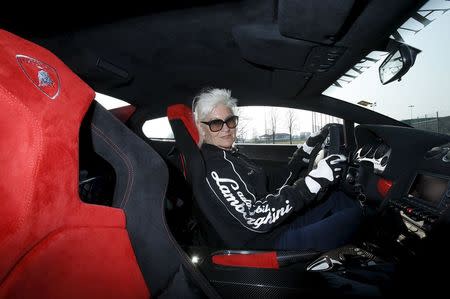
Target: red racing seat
52, 245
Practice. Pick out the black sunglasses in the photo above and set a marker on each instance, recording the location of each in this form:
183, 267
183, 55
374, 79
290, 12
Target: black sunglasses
216, 125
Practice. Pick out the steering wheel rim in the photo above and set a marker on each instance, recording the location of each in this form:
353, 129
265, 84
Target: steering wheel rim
335, 147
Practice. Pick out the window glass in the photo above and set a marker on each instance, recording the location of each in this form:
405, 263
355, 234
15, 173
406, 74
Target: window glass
258, 124
275, 125
420, 98
158, 128
109, 102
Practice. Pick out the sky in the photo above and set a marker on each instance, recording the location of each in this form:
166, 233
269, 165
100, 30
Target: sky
424, 90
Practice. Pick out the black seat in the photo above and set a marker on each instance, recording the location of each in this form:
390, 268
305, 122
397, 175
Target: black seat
193, 167
187, 140
140, 188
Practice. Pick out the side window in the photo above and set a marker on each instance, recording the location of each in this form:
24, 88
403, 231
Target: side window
109, 102
158, 128
261, 125
275, 125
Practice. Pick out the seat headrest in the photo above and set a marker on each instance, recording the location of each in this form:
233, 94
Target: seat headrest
184, 113
42, 103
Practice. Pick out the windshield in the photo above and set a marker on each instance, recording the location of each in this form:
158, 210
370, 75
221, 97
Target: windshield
422, 97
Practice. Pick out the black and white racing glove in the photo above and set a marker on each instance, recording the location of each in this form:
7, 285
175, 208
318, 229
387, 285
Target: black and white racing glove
302, 155
327, 172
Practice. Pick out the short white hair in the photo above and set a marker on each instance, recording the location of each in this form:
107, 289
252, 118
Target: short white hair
205, 102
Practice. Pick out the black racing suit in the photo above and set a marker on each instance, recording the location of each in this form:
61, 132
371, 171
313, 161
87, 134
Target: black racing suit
249, 216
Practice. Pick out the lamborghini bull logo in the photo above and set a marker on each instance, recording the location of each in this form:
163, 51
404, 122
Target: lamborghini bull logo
43, 76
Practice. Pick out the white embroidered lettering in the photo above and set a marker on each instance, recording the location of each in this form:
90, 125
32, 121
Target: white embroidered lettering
219, 180
243, 205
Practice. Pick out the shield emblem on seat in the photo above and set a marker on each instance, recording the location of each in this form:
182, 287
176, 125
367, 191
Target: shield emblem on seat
43, 76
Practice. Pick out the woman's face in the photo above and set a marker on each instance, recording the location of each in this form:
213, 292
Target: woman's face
224, 138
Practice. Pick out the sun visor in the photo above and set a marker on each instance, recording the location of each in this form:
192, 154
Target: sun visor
292, 62
263, 44
312, 20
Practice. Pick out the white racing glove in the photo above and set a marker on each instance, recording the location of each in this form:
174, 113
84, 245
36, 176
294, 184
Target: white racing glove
303, 152
327, 172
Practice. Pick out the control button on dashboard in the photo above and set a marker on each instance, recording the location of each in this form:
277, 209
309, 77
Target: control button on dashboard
435, 151
413, 228
446, 158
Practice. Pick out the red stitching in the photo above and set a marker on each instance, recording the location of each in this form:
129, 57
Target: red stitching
124, 157
31, 118
182, 165
37, 148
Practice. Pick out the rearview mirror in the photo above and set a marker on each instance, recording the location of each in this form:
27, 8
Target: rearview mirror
397, 63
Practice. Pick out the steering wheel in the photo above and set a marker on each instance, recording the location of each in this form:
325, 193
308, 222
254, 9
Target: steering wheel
333, 144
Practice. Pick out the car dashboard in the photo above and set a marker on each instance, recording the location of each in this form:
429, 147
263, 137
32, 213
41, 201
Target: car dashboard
401, 176
404, 173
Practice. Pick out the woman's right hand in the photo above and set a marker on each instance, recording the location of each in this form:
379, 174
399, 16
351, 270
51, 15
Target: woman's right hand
327, 173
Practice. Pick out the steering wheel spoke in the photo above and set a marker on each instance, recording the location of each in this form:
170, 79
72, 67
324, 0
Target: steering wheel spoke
332, 144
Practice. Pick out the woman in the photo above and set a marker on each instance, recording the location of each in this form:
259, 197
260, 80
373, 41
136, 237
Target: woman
255, 215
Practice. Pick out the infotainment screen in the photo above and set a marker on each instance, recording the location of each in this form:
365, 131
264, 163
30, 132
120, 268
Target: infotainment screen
429, 189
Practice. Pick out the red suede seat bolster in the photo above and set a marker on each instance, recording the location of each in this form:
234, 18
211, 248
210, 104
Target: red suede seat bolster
83, 262
184, 113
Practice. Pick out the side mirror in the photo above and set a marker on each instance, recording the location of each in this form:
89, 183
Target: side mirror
397, 63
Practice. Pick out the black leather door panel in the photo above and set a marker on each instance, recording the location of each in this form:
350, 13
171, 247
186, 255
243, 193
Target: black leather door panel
268, 152
269, 156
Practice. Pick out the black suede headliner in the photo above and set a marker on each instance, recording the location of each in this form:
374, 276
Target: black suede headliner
154, 55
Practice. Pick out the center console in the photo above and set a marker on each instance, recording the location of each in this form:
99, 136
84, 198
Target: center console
427, 200
343, 257
368, 267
